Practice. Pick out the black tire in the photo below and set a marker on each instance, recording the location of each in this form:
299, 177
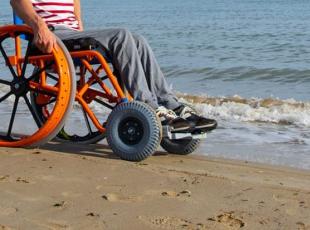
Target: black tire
182, 146
133, 131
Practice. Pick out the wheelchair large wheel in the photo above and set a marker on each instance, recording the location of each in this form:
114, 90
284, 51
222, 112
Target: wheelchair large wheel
93, 102
133, 131
20, 124
181, 147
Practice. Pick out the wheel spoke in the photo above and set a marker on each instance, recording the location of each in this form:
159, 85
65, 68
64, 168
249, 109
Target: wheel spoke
52, 77
5, 96
33, 113
40, 71
7, 61
104, 78
103, 103
51, 101
48, 103
101, 78
26, 57
13, 116
4, 82
87, 122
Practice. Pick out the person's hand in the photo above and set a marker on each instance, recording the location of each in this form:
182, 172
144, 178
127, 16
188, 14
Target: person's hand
44, 39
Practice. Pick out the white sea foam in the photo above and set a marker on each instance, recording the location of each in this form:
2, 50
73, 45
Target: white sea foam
270, 110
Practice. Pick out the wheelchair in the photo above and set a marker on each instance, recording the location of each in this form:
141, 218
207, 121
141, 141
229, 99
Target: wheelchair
76, 74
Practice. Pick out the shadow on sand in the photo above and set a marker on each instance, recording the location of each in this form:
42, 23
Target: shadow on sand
93, 150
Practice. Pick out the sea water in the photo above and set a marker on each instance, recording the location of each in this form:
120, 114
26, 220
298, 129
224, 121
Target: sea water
245, 63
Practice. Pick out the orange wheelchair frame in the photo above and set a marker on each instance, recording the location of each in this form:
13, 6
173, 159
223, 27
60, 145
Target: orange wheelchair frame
133, 130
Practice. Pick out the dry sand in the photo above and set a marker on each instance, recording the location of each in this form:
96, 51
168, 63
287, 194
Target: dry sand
86, 187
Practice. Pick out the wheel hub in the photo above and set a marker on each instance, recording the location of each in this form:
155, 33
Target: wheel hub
131, 131
19, 87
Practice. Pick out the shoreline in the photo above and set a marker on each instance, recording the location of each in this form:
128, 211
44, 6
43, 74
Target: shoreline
65, 186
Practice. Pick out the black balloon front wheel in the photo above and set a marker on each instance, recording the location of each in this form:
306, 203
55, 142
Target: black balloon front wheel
182, 146
133, 131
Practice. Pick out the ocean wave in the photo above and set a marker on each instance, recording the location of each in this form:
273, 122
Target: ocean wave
268, 110
287, 75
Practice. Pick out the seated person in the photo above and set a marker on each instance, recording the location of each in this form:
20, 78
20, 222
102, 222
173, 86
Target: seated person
131, 56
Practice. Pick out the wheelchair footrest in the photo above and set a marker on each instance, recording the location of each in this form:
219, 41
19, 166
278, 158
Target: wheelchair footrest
178, 135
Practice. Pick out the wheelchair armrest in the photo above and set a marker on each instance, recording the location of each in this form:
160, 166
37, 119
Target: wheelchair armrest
81, 44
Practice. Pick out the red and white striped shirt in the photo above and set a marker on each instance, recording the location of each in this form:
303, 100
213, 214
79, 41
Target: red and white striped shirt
58, 13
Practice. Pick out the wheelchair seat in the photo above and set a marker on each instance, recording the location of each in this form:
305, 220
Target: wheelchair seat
81, 44
85, 44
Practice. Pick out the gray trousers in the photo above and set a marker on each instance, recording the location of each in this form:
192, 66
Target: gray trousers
135, 63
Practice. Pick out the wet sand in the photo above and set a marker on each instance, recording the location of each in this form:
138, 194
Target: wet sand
63, 186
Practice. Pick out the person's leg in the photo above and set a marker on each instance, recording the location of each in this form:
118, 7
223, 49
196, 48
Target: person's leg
165, 96
154, 76
121, 46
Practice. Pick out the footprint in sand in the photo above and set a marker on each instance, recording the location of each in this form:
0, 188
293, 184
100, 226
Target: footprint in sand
229, 220
171, 223
4, 178
60, 205
22, 180
2, 227
112, 197
302, 226
18, 179
184, 193
92, 214
7, 211
169, 194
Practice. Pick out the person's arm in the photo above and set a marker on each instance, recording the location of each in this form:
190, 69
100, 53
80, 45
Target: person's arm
77, 13
44, 39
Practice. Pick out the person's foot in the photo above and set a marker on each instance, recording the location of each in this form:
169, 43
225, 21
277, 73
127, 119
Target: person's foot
177, 124
200, 123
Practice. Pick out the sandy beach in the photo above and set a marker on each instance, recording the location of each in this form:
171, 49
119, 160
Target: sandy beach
63, 186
